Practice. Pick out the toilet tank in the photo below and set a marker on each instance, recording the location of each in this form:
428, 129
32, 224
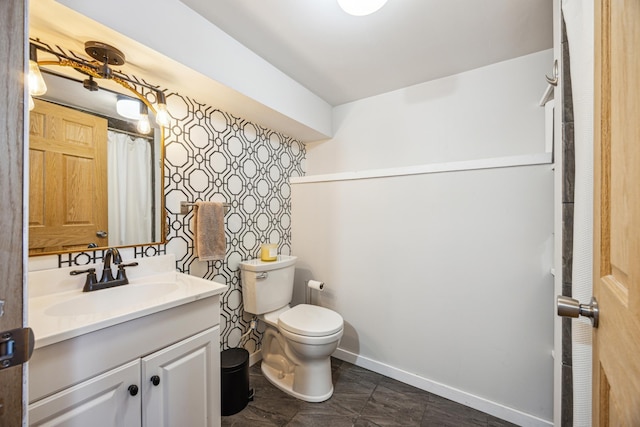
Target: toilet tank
267, 286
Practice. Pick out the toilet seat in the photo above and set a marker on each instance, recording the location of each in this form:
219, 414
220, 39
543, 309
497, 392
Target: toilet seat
311, 341
310, 321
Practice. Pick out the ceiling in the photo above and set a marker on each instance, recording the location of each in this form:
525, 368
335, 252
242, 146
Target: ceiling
342, 58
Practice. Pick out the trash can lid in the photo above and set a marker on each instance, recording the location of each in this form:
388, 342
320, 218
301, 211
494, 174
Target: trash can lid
233, 358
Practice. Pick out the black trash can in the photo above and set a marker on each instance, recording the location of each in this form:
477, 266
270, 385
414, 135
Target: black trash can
234, 364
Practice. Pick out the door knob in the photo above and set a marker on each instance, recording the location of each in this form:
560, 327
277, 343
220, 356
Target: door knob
569, 307
101, 233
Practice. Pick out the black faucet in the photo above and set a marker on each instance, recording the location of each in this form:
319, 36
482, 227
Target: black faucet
107, 280
107, 276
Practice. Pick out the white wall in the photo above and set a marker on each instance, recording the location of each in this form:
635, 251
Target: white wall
443, 279
488, 112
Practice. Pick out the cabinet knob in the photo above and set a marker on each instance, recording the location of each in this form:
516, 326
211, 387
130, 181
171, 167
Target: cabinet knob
155, 380
133, 389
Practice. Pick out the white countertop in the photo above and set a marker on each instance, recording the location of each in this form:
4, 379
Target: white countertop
59, 310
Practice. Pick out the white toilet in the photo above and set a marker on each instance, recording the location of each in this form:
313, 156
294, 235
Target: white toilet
298, 341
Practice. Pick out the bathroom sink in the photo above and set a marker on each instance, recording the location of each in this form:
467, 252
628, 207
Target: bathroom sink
112, 299
59, 310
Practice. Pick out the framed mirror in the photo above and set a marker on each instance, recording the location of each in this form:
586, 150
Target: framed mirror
95, 179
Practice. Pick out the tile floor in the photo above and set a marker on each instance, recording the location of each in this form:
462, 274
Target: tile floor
361, 398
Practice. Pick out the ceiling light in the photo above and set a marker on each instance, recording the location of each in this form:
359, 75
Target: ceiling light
162, 115
361, 7
128, 107
37, 85
144, 127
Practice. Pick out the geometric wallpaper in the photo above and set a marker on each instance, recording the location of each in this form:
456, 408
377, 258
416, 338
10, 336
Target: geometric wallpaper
211, 155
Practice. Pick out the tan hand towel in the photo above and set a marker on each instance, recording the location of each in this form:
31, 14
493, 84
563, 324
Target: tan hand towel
210, 240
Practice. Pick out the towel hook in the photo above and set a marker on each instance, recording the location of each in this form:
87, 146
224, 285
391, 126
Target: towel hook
553, 80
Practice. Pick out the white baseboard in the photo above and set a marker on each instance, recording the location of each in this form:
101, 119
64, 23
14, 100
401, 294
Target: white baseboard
459, 396
255, 357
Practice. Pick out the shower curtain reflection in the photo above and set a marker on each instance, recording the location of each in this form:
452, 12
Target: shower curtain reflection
130, 179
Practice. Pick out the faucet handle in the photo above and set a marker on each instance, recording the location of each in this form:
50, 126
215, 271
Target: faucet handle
122, 275
91, 278
88, 270
131, 264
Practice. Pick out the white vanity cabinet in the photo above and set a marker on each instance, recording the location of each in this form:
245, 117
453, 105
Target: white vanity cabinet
178, 385
85, 362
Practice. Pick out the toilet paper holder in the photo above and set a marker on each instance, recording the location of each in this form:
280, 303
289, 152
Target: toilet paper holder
312, 284
315, 284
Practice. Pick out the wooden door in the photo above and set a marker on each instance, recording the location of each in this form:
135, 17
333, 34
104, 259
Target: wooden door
68, 179
187, 391
616, 350
12, 224
103, 401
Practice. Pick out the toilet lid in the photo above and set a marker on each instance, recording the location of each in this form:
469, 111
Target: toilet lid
310, 321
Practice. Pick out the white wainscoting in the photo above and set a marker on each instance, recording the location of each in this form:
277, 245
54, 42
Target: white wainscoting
443, 277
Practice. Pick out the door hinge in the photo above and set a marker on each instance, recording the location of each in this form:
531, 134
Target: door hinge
16, 347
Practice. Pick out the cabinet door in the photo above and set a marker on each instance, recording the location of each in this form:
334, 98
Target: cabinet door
188, 391
102, 401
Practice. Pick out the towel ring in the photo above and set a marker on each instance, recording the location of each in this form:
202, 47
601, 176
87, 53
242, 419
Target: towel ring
185, 207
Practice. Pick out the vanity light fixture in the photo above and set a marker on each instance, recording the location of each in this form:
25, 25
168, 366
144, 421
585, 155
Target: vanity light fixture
37, 86
99, 67
144, 127
361, 7
105, 55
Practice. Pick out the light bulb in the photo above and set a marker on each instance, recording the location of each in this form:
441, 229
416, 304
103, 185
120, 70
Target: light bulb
361, 7
37, 86
162, 116
144, 126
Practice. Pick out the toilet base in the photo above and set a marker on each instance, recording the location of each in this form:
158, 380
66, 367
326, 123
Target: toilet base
286, 384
